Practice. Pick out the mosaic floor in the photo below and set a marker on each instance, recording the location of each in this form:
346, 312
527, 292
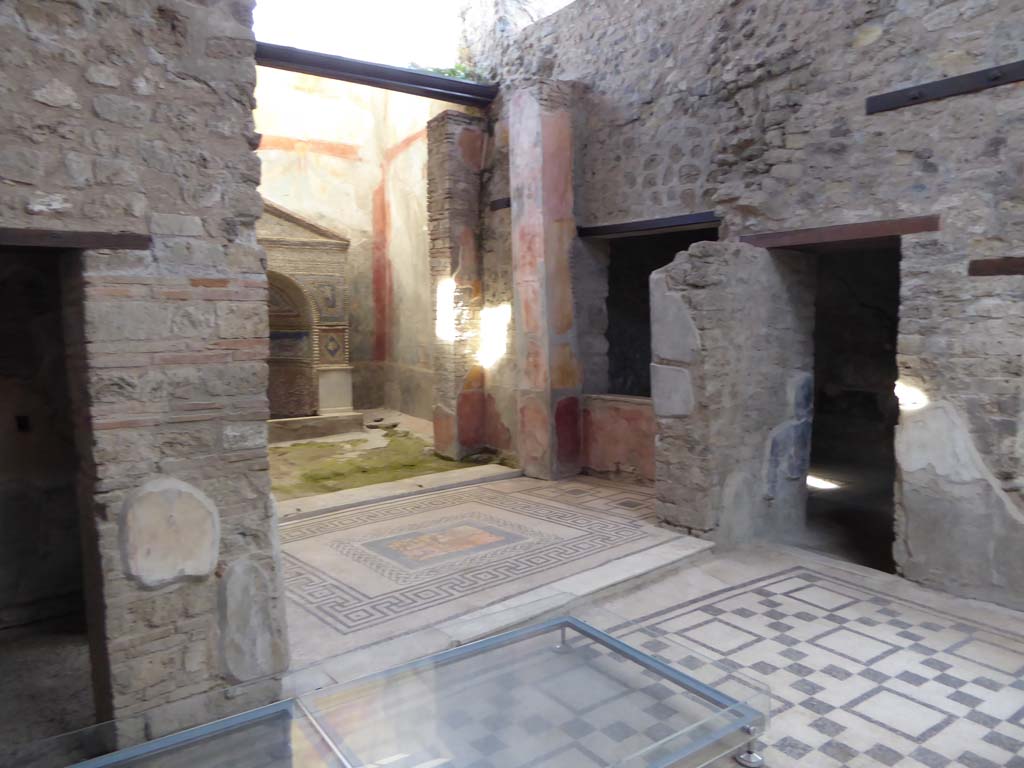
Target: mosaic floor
864, 669
362, 575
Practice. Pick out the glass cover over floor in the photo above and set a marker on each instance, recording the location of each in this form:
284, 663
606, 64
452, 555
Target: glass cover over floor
560, 694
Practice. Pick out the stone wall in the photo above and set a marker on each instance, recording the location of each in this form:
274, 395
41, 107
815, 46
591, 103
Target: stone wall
501, 410
732, 389
40, 551
457, 145
138, 117
756, 110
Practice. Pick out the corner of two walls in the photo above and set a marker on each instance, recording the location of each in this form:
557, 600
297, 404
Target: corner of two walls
354, 158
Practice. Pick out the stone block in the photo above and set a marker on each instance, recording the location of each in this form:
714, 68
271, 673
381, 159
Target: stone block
101, 74
170, 531
57, 94
24, 165
242, 320
674, 336
175, 225
243, 436
122, 110
671, 391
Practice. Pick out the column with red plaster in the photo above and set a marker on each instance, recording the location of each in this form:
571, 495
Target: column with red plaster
543, 229
456, 143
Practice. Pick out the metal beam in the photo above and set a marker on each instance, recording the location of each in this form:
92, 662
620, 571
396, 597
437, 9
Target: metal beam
868, 230
74, 240
702, 220
950, 86
376, 75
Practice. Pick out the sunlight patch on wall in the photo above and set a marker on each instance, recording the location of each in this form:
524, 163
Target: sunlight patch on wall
444, 321
493, 334
911, 398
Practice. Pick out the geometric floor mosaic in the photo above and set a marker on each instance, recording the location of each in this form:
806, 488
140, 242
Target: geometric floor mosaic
859, 677
361, 575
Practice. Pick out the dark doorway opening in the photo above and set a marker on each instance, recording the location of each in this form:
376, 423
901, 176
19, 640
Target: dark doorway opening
855, 408
632, 259
44, 648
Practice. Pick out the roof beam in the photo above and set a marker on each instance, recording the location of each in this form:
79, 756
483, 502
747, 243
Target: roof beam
431, 86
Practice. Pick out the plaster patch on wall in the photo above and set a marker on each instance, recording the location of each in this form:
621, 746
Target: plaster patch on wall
956, 527
170, 531
251, 644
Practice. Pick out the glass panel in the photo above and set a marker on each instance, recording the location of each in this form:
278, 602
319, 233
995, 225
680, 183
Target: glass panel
278, 736
560, 695
570, 692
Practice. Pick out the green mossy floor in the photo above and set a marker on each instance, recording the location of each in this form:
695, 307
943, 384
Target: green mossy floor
306, 469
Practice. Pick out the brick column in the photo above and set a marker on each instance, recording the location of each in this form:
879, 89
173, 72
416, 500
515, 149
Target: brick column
543, 230
455, 151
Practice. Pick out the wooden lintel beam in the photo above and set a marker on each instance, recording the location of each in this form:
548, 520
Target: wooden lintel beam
1006, 265
700, 220
949, 86
842, 232
74, 240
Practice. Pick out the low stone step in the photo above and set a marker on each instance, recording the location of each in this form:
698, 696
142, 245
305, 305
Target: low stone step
309, 427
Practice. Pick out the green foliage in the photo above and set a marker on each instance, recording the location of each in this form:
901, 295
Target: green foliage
461, 71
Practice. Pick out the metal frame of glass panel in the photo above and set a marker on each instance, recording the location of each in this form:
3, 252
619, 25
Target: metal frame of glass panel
745, 718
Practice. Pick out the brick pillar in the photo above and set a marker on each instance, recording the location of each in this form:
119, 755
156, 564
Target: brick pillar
543, 230
455, 152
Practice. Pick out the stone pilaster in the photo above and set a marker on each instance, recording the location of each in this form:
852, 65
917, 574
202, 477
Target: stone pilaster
543, 230
454, 159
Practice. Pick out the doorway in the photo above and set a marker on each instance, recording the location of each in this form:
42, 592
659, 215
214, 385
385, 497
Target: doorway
850, 504
44, 647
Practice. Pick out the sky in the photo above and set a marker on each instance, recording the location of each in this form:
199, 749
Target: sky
398, 32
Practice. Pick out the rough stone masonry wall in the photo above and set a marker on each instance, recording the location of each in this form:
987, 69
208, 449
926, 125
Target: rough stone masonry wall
756, 110
732, 338
137, 116
455, 159
500, 409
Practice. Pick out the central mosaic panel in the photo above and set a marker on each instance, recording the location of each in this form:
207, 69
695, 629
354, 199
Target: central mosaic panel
418, 549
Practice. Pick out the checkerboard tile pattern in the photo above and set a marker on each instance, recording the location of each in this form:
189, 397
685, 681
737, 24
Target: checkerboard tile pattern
536, 703
861, 678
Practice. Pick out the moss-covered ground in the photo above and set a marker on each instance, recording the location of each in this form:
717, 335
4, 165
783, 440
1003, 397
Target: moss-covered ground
306, 469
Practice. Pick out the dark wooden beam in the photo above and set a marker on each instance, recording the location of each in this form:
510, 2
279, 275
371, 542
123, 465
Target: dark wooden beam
377, 75
868, 230
702, 220
1007, 265
950, 86
74, 240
